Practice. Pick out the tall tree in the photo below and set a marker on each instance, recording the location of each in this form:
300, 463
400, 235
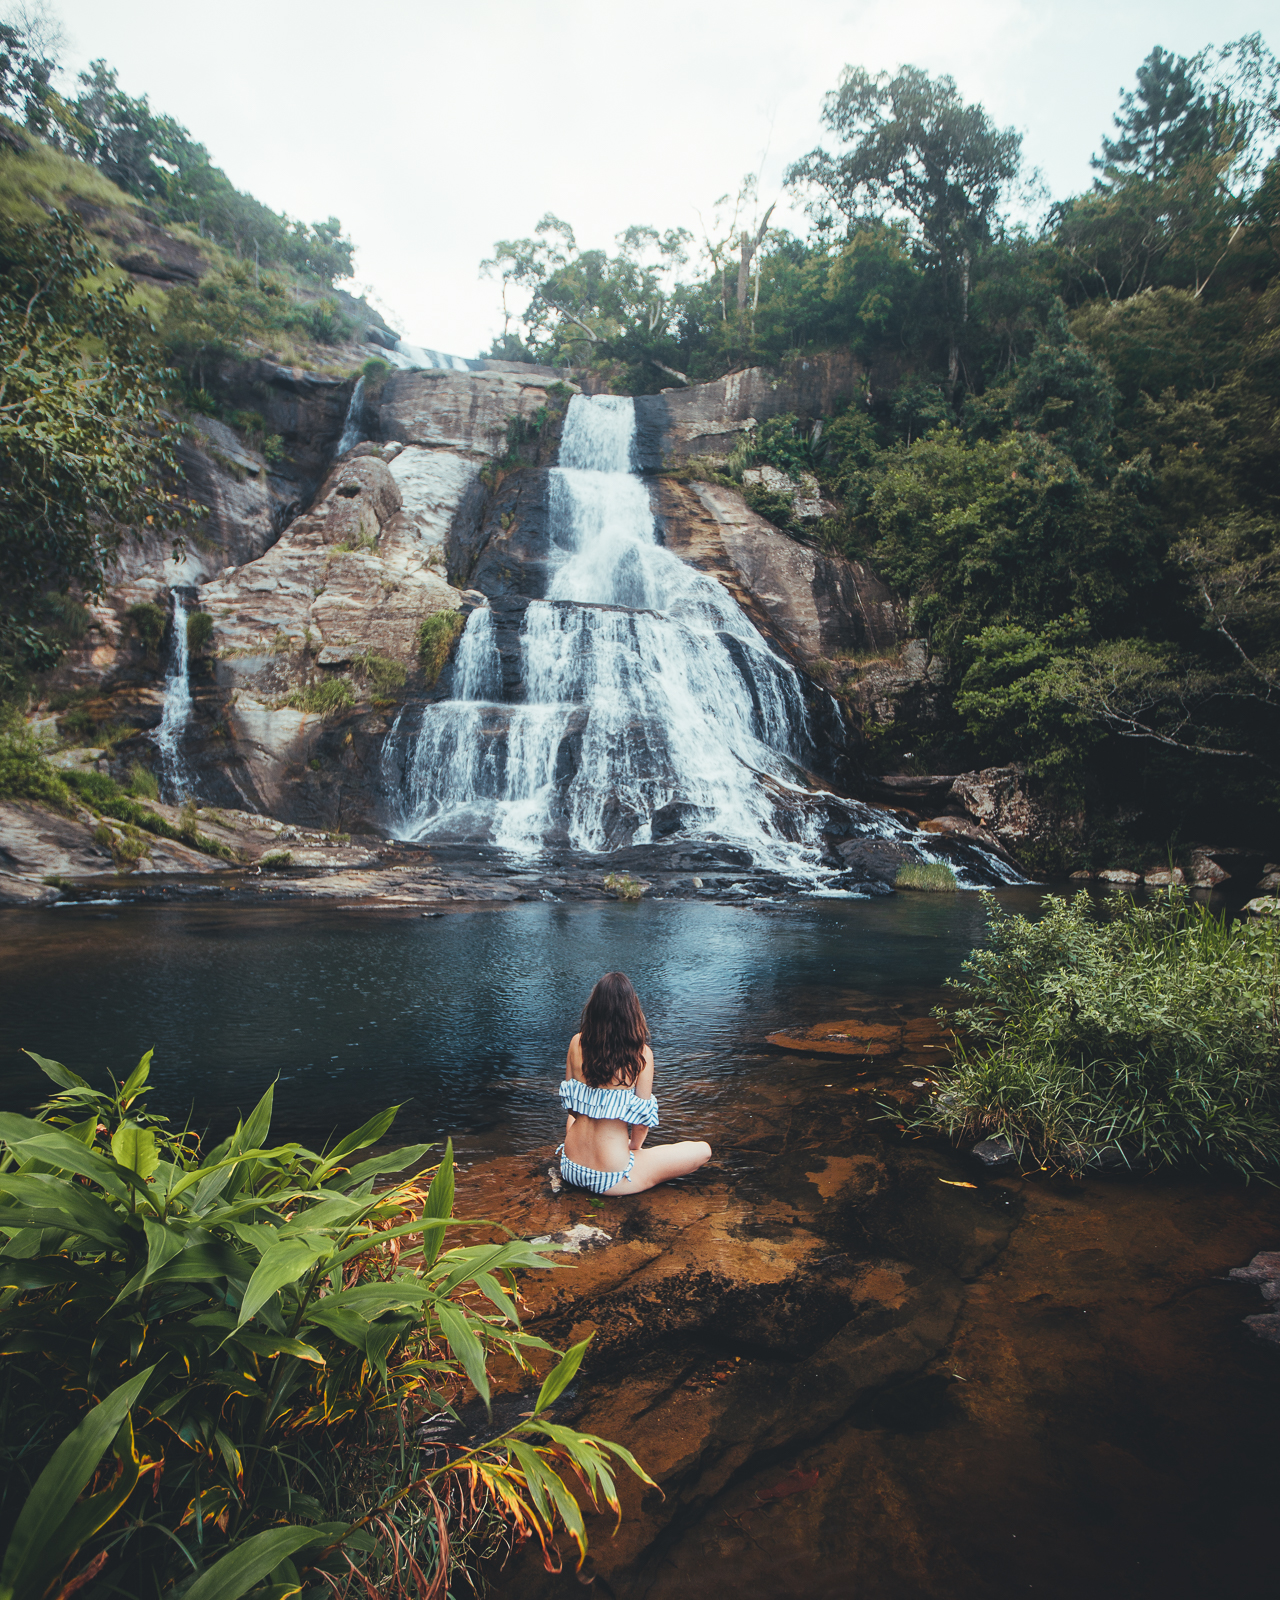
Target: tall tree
1161, 125
86, 442
917, 152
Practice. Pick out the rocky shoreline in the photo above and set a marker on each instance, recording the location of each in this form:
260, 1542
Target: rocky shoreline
850, 1360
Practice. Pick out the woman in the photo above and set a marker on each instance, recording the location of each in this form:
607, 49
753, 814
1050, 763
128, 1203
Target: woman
608, 1095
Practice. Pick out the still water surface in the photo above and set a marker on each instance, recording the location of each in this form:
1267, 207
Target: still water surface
464, 1016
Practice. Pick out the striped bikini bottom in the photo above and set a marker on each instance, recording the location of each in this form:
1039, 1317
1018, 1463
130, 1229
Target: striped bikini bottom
588, 1178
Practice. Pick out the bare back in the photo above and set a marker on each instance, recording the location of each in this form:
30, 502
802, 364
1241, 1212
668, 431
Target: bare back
604, 1143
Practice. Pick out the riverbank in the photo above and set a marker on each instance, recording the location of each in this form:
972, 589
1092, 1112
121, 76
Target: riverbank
861, 1365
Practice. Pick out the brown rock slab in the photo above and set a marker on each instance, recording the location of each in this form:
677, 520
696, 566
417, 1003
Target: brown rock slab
852, 1038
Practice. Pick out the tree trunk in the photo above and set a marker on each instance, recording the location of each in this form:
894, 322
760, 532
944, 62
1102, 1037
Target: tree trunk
748, 245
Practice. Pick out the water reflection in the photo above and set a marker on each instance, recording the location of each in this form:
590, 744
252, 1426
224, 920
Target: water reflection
464, 1016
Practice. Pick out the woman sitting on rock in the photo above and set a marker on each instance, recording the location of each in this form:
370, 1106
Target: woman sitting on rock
608, 1095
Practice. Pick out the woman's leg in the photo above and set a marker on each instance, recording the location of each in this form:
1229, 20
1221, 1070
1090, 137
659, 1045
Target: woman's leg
662, 1162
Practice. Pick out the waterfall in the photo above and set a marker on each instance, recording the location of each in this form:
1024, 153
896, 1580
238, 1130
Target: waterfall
642, 684
176, 710
353, 427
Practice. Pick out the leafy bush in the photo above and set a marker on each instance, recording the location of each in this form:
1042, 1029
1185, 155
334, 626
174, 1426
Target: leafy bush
126, 844
199, 630
1153, 1028
25, 774
263, 1353
932, 876
437, 635
325, 698
275, 860
150, 621
624, 886
105, 796
384, 674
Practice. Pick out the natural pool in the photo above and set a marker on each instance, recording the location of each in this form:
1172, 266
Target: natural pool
858, 1364
464, 1016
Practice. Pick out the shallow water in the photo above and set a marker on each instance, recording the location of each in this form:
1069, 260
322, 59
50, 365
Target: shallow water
465, 1016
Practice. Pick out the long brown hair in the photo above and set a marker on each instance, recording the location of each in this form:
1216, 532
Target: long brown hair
613, 1033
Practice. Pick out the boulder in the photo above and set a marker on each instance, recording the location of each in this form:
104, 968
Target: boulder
462, 411
1269, 882
1203, 872
1018, 811
1164, 877
1119, 875
1266, 905
708, 419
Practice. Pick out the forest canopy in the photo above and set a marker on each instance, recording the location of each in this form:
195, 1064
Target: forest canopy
1066, 458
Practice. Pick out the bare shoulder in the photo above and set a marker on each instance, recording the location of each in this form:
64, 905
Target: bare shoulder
573, 1060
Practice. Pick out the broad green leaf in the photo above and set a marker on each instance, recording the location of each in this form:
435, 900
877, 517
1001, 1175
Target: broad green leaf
134, 1082
60, 1150
281, 1265
62, 1076
136, 1148
432, 1226
253, 1133
561, 1376
465, 1347
395, 1161
209, 1258
273, 1344
366, 1135
439, 1202
35, 1274
41, 1201
36, 1542
237, 1572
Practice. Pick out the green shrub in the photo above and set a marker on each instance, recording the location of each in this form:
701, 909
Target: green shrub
437, 635
324, 698
384, 674
126, 844
150, 622
1151, 1028
375, 370
263, 1354
25, 774
624, 886
143, 784
199, 631
932, 876
274, 860
105, 796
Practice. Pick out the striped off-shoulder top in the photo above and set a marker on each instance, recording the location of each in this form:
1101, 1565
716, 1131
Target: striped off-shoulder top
620, 1105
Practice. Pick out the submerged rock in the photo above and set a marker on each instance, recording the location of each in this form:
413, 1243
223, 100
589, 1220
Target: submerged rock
995, 1152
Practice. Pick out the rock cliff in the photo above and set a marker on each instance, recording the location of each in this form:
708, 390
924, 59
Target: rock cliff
316, 575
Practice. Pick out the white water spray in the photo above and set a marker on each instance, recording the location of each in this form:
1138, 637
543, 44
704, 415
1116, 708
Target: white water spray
176, 709
643, 684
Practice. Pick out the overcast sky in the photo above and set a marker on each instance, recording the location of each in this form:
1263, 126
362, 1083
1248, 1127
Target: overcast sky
432, 129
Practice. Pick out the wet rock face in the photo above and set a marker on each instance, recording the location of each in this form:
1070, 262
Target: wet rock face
821, 605
462, 411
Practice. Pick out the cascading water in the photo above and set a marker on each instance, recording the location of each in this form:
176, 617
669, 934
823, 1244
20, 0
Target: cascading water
176, 709
353, 426
642, 684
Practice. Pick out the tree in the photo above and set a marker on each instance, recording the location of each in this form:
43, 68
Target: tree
85, 441
1161, 125
918, 152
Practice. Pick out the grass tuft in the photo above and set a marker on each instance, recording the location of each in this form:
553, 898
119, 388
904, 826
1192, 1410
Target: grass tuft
436, 637
1152, 1028
935, 877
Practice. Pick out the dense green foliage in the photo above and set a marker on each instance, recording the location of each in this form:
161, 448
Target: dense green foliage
153, 157
1066, 455
85, 440
1152, 1029
238, 1328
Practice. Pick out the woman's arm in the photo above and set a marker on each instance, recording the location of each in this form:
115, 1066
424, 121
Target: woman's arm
643, 1089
